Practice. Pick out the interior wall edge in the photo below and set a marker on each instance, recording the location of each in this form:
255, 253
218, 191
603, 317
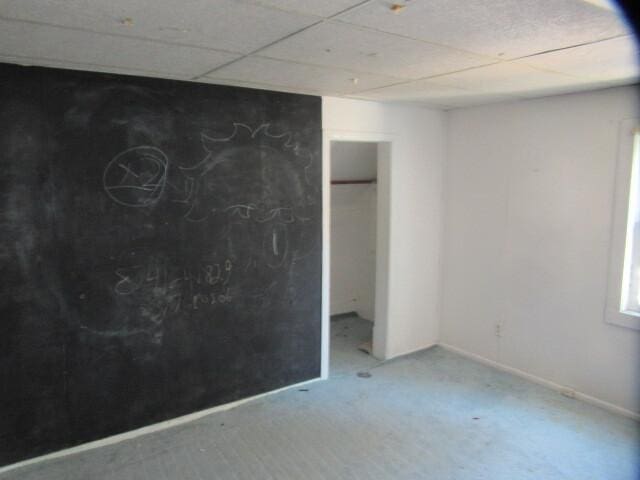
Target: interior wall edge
397, 355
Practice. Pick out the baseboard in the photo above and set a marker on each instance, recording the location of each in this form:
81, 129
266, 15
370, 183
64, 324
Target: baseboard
411, 352
349, 314
345, 314
541, 381
103, 442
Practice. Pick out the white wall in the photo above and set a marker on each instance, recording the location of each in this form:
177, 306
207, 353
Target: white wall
354, 160
528, 207
353, 248
418, 149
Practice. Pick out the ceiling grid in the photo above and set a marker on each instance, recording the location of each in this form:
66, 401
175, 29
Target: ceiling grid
437, 53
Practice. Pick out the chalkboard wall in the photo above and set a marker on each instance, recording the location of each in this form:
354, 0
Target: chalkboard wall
160, 251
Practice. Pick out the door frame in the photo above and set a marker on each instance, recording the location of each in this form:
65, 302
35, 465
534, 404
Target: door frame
383, 236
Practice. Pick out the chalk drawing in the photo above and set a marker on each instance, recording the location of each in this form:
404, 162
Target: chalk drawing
136, 177
252, 190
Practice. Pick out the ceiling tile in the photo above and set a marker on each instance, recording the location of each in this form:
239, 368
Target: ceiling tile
85, 67
508, 79
233, 25
505, 28
329, 81
567, 89
76, 47
257, 86
429, 92
416, 91
615, 59
160, 38
475, 99
324, 8
343, 46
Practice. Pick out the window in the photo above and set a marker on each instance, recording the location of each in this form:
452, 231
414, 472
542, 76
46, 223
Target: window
623, 298
629, 299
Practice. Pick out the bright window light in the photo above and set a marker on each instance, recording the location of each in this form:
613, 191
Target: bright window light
630, 291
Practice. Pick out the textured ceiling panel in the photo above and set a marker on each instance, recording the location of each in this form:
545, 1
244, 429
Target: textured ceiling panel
339, 45
51, 43
323, 8
30, 62
504, 29
257, 86
575, 88
509, 79
615, 59
328, 81
429, 92
233, 25
472, 100
433, 52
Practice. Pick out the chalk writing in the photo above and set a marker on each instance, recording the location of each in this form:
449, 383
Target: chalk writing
162, 288
138, 176
251, 186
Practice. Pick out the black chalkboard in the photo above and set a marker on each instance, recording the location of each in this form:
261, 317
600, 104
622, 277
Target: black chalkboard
160, 251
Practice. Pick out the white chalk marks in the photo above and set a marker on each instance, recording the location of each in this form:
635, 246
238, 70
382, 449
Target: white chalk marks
246, 200
137, 176
276, 245
161, 287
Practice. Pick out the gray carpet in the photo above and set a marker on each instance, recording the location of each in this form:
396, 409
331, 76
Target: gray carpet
432, 415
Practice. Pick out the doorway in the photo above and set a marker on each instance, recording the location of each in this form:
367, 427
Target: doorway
353, 253
356, 205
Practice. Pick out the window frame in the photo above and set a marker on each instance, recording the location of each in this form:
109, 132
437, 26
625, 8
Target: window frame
613, 314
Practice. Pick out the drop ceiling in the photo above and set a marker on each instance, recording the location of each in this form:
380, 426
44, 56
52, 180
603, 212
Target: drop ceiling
438, 53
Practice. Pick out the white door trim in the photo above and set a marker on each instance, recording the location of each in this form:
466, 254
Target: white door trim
385, 153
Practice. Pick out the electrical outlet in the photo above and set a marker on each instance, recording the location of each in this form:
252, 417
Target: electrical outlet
498, 330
